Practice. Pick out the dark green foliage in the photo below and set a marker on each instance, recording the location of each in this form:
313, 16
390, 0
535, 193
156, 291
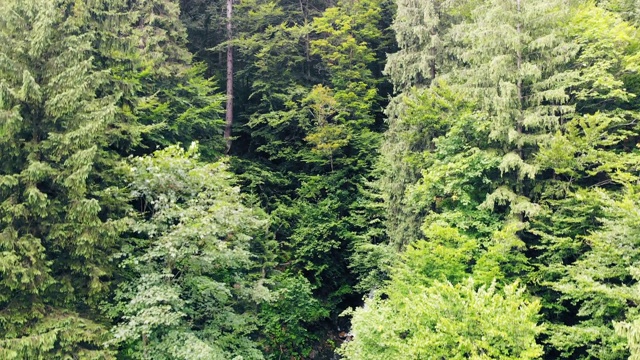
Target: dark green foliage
285, 319
169, 92
58, 230
493, 215
305, 88
188, 108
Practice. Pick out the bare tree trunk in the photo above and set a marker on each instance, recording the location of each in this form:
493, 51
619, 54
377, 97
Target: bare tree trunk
307, 42
520, 119
519, 82
229, 114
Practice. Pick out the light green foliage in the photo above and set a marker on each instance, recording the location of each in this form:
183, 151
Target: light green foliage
424, 316
345, 34
160, 36
447, 321
188, 109
628, 9
328, 137
516, 54
420, 28
592, 158
194, 276
438, 124
431, 309
442, 134
446, 257
526, 167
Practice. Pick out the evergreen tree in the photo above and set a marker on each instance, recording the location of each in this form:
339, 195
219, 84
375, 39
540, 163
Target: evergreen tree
530, 167
593, 163
509, 58
421, 29
515, 55
58, 229
170, 93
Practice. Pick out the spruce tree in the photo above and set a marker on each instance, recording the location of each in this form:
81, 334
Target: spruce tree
421, 31
515, 55
420, 27
586, 247
55, 234
171, 94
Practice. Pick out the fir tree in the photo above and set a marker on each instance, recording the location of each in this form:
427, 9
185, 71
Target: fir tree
56, 233
171, 94
589, 195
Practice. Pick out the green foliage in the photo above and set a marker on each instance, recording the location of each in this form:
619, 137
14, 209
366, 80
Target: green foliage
531, 165
313, 126
60, 219
168, 92
187, 109
194, 278
425, 316
284, 320
420, 27
592, 160
509, 167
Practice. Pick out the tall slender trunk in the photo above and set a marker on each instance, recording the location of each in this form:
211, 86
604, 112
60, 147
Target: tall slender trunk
519, 82
520, 119
307, 41
229, 114
432, 50
432, 60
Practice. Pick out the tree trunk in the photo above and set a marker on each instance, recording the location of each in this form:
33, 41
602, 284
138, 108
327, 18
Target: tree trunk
229, 114
520, 119
307, 42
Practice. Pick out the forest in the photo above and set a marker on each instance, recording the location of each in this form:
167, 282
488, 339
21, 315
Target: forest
319, 179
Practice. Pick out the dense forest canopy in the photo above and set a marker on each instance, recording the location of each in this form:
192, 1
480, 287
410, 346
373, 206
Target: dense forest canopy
319, 179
